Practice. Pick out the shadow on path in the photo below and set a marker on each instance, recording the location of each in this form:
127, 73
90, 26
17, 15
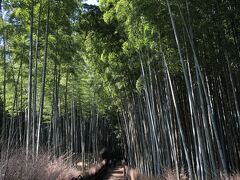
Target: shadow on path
115, 173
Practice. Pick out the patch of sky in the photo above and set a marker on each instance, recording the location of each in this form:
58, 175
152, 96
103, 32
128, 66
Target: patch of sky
93, 2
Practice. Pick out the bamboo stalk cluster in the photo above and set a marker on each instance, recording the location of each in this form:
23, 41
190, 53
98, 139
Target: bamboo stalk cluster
189, 121
161, 91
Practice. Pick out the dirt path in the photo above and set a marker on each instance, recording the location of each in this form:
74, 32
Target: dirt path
115, 173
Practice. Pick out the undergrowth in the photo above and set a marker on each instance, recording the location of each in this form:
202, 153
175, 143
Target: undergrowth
44, 167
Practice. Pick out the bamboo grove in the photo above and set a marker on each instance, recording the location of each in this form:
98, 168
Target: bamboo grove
158, 79
46, 104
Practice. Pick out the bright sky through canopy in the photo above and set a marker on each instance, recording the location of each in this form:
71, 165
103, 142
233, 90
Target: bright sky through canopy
92, 2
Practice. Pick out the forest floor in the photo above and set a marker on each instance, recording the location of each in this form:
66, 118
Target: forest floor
42, 168
47, 168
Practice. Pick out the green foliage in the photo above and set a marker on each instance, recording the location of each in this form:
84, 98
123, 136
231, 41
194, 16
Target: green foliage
100, 47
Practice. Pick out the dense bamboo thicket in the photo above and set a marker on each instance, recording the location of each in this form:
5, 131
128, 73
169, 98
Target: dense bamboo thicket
188, 117
47, 99
156, 79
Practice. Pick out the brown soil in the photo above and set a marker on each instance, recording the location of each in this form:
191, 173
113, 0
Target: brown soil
116, 173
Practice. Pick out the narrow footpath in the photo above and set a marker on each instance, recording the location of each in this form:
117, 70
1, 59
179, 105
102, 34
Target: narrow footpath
115, 173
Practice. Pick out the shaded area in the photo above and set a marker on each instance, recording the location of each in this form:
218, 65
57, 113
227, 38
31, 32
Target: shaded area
115, 172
